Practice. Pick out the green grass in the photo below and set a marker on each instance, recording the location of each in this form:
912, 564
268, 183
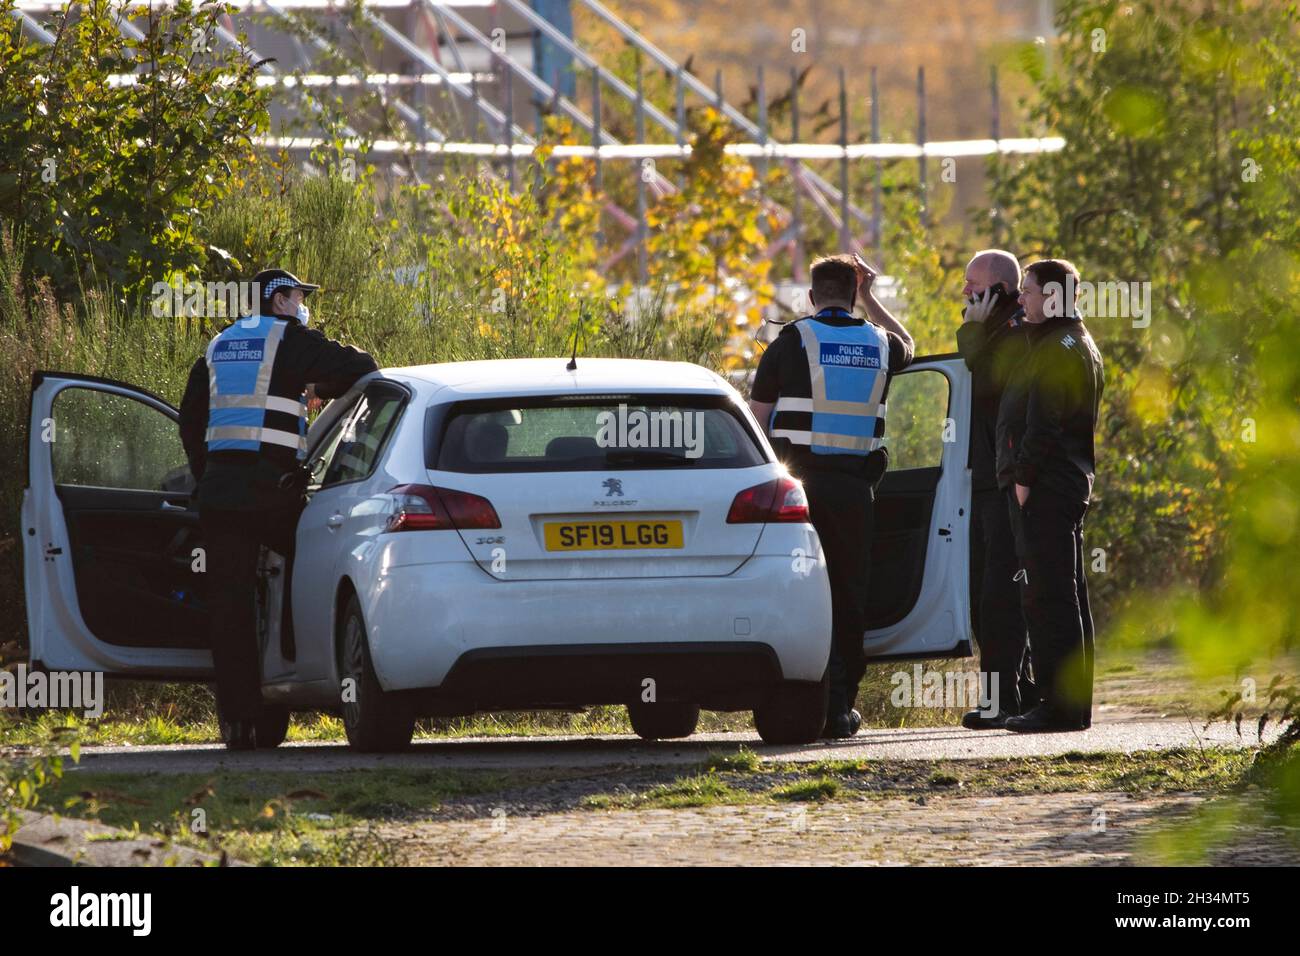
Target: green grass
1176, 770
717, 781
274, 818
815, 789
699, 791
743, 760
339, 819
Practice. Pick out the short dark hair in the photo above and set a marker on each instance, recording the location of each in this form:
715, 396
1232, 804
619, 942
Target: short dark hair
834, 278
1060, 271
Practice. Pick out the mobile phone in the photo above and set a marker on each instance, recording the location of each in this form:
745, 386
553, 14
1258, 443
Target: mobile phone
997, 288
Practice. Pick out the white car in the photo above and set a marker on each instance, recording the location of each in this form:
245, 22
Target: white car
502, 535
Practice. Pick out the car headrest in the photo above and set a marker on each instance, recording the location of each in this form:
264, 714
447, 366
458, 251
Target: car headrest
486, 441
572, 446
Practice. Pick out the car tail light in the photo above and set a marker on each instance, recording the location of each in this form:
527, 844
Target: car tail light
781, 499
426, 508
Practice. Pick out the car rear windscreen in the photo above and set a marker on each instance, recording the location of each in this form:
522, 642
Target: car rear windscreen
595, 433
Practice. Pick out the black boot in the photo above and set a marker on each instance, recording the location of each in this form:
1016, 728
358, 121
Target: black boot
841, 720
840, 726
242, 735
1045, 720
978, 720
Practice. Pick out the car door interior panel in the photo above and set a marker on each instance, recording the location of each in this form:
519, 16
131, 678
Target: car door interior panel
134, 560
904, 505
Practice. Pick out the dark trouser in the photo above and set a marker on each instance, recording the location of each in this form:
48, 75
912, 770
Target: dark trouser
1054, 594
999, 621
841, 507
231, 540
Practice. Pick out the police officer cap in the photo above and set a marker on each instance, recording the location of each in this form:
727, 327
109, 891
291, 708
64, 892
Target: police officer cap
271, 281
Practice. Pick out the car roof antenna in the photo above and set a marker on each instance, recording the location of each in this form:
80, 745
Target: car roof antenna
577, 329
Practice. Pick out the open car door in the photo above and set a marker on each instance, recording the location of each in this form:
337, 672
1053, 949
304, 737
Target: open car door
112, 557
918, 601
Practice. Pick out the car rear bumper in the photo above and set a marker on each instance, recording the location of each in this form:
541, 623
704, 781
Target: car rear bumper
716, 675
451, 626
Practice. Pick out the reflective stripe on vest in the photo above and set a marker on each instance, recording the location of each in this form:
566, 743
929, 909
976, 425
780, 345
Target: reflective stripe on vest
240, 361
848, 367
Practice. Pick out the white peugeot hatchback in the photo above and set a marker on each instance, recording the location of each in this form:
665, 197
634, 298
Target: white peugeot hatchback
515, 534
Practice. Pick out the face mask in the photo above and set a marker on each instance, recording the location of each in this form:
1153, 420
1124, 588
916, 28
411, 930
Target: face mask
303, 313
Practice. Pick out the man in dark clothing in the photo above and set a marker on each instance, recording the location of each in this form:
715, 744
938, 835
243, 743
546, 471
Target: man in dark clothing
820, 392
1046, 463
993, 344
243, 424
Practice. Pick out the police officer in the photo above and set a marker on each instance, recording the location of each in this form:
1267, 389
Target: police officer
992, 342
243, 424
820, 391
1046, 463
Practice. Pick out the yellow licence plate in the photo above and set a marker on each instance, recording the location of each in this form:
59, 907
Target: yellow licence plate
611, 535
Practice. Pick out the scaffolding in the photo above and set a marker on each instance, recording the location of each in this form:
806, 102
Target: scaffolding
456, 72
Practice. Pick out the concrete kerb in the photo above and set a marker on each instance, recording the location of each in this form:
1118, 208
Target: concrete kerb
46, 840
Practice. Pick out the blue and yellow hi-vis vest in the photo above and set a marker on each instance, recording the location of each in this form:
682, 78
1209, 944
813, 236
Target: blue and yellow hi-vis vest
845, 415
243, 414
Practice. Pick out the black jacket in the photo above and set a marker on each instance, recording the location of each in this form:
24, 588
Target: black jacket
248, 480
993, 350
1048, 414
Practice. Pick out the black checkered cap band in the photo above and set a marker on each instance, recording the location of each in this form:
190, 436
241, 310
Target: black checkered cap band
274, 284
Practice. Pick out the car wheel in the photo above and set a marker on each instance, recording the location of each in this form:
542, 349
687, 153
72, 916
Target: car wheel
663, 719
272, 726
374, 720
794, 712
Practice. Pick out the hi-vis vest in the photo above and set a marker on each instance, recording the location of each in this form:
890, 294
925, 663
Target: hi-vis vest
243, 415
848, 366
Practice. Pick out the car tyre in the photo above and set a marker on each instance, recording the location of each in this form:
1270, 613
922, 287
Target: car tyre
794, 712
664, 719
376, 721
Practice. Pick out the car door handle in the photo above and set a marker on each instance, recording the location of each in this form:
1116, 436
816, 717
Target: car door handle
172, 506
334, 521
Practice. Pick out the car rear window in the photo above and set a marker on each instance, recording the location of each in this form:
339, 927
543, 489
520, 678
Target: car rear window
595, 433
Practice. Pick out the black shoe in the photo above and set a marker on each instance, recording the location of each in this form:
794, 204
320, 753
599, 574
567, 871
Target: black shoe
242, 735
976, 720
840, 726
1043, 720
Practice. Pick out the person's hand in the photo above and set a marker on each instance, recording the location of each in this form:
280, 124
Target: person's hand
980, 307
866, 275
1022, 494
314, 402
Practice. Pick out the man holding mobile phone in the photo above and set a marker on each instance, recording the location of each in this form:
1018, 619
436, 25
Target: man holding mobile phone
992, 342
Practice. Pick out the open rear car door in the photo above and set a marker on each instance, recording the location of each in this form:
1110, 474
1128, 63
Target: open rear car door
919, 588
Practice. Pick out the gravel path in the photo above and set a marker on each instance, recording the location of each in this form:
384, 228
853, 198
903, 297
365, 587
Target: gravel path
927, 743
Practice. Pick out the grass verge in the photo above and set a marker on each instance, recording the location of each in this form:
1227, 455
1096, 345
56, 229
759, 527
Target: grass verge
350, 818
